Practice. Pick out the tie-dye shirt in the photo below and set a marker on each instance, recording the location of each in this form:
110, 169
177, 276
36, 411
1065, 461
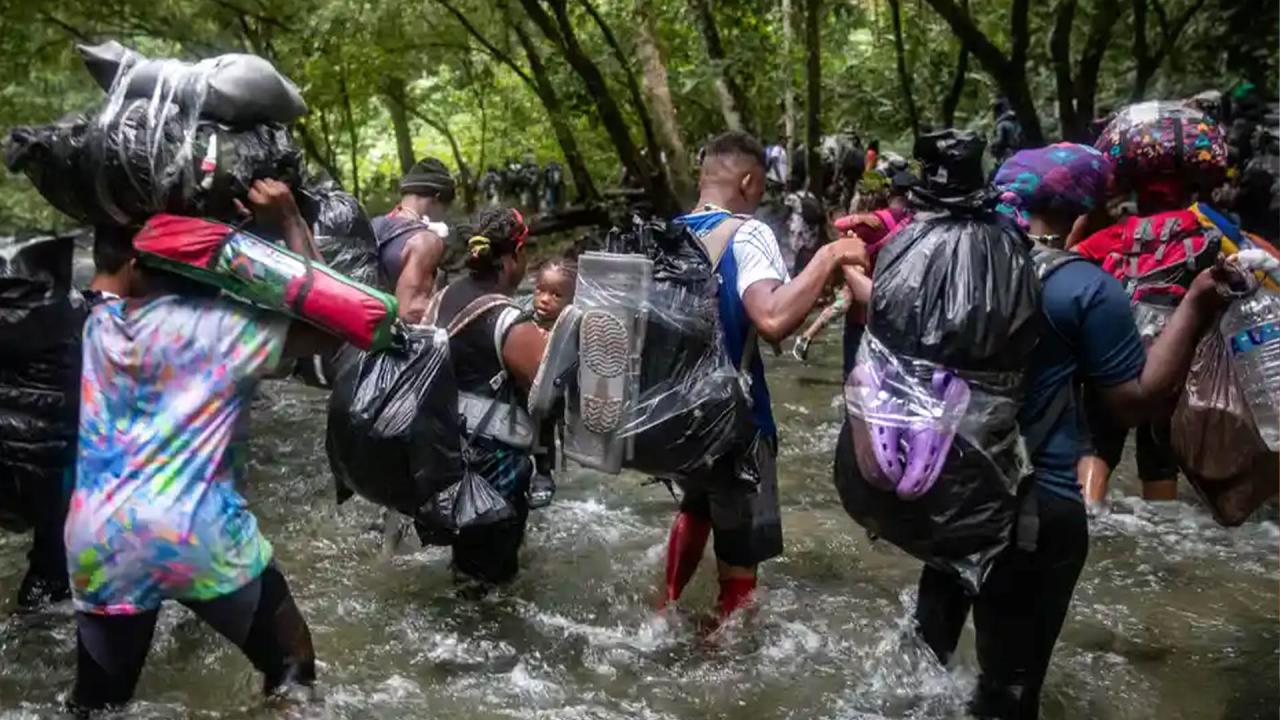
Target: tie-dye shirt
164, 399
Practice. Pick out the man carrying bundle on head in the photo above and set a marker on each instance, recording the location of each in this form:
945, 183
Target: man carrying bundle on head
758, 299
411, 238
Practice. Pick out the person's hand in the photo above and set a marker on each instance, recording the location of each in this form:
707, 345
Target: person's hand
849, 222
849, 250
1211, 288
272, 203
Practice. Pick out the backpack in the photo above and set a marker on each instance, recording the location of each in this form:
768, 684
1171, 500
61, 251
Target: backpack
1156, 258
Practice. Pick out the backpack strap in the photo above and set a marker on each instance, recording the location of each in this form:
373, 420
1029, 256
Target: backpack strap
717, 241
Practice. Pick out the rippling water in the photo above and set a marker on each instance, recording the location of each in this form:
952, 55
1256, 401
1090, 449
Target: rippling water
1175, 618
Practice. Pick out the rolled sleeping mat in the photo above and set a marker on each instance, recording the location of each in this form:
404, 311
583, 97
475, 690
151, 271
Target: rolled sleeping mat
262, 273
612, 293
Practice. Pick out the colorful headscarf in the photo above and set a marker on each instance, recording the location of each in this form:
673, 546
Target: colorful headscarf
1065, 178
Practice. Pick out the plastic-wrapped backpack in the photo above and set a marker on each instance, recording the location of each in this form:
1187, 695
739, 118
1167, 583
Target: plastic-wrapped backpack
931, 457
642, 341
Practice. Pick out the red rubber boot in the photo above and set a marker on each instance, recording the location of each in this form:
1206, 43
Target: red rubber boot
735, 592
688, 539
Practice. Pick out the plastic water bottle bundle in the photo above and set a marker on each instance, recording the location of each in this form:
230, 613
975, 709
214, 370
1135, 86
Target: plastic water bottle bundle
1251, 328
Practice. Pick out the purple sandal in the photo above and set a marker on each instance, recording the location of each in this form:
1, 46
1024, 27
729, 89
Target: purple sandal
929, 444
926, 441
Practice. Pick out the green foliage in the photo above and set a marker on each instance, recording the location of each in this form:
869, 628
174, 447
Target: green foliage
347, 55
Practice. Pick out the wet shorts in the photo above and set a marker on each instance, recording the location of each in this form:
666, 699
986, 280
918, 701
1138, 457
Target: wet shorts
739, 495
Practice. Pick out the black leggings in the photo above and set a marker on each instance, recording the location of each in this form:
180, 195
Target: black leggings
260, 618
1017, 615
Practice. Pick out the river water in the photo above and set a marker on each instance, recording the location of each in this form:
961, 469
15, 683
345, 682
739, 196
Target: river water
1174, 618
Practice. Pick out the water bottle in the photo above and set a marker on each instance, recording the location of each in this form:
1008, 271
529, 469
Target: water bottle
1251, 327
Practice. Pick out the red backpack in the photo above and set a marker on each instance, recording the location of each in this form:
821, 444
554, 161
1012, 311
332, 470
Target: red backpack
1156, 257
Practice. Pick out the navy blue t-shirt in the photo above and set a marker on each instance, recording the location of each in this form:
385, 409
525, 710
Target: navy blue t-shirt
1091, 336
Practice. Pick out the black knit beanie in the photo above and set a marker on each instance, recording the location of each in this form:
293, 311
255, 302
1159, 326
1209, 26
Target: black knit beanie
429, 177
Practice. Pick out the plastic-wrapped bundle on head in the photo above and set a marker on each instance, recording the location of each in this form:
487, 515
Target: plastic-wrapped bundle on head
1065, 179
156, 151
1164, 139
41, 319
951, 172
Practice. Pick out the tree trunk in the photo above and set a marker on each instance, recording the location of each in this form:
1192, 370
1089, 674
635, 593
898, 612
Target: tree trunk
1060, 52
315, 152
1009, 72
789, 93
733, 103
904, 77
813, 66
540, 83
1141, 52
584, 186
951, 102
658, 89
633, 88
561, 33
1105, 14
353, 134
394, 95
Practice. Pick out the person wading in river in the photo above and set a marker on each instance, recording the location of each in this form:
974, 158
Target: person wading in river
496, 350
411, 243
1089, 333
169, 372
757, 300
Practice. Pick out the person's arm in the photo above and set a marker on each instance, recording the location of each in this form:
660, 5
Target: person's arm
522, 353
1169, 357
304, 340
419, 261
778, 309
859, 283
273, 204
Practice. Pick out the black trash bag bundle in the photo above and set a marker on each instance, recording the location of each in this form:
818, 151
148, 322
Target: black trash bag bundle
41, 320
394, 433
342, 231
235, 88
956, 298
120, 168
691, 408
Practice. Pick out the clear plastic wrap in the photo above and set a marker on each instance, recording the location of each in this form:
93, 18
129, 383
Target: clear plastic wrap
932, 459
1162, 138
235, 88
141, 154
685, 406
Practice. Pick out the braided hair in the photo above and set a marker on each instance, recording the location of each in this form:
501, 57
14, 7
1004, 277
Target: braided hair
497, 232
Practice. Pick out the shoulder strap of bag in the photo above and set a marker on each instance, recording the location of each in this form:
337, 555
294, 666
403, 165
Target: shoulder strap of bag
717, 241
474, 309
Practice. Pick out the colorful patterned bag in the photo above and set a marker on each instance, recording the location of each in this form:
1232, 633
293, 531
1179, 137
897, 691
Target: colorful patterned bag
260, 272
1164, 138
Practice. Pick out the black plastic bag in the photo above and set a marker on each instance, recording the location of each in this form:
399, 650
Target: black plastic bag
123, 168
691, 408
342, 231
959, 291
959, 526
41, 320
394, 434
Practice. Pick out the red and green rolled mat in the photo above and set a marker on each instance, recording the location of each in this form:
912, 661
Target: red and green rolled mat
263, 273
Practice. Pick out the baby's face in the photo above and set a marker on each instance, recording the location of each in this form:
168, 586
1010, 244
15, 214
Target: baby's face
551, 293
